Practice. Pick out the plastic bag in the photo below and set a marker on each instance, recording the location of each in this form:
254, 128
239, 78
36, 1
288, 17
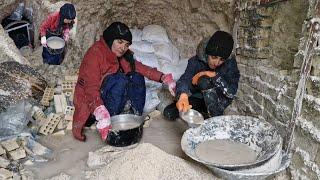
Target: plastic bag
18, 12
14, 121
152, 100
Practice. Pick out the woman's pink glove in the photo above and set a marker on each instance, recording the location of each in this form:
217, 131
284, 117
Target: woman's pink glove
104, 128
104, 124
167, 79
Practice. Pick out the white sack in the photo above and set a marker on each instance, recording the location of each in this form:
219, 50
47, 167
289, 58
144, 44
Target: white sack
136, 34
176, 69
166, 51
141, 46
154, 33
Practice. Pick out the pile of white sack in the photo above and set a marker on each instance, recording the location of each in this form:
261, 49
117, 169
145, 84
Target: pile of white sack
152, 47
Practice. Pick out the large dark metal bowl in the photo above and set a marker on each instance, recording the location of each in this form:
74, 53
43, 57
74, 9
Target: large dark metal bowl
126, 130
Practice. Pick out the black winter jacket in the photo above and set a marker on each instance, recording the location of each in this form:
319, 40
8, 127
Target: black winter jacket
226, 80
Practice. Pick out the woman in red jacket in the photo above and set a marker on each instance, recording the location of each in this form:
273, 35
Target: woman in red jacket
109, 78
57, 24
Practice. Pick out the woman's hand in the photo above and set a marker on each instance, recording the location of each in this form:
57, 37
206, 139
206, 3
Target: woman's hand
167, 79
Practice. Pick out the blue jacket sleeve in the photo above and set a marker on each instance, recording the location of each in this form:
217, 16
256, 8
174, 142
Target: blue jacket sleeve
184, 84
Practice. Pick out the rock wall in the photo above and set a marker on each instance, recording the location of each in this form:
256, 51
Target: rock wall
270, 51
187, 22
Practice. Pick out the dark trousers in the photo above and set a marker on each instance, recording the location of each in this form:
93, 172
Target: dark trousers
52, 59
118, 88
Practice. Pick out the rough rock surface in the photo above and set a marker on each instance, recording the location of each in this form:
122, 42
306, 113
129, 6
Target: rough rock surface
19, 82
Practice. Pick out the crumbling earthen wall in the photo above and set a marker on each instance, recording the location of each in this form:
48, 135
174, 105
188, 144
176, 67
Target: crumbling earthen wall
186, 22
271, 43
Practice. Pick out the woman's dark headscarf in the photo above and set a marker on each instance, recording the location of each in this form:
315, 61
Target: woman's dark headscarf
118, 30
67, 11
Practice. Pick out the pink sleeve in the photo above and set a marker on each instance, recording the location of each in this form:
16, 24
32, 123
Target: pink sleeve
46, 24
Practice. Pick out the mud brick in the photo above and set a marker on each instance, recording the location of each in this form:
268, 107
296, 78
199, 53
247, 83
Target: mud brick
68, 86
10, 145
4, 162
5, 174
51, 123
18, 154
47, 96
69, 110
2, 151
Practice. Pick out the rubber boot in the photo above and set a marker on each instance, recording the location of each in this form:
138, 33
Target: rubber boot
171, 112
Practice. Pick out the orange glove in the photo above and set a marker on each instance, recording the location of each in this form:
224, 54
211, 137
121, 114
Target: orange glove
203, 73
183, 103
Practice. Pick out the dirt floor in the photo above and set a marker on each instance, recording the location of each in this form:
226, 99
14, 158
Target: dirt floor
70, 155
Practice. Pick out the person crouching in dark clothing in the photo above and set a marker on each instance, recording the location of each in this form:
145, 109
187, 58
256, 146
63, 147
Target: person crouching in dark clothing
210, 80
109, 78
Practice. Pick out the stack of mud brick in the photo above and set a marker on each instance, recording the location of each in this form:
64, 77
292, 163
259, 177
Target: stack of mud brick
62, 97
10, 151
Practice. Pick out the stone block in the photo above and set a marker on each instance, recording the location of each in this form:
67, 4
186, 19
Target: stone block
51, 123
39, 116
281, 128
60, 103
265, 11
311, 110
304, 141
10, 145
18, 154
263, 33
2, 151
313, 86
68, 86
71, 78
69, 110
266, 22
261, 43
299, 169
47, 96
5, 174
4, 162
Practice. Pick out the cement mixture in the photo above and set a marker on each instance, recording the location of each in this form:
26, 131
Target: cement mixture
149, 162
225, 152
55, 44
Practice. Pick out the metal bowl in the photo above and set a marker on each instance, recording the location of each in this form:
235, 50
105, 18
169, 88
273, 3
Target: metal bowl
54, 40
275, 165
192, 117
258, 134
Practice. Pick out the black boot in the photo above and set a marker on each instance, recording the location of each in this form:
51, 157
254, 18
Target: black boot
171, 112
